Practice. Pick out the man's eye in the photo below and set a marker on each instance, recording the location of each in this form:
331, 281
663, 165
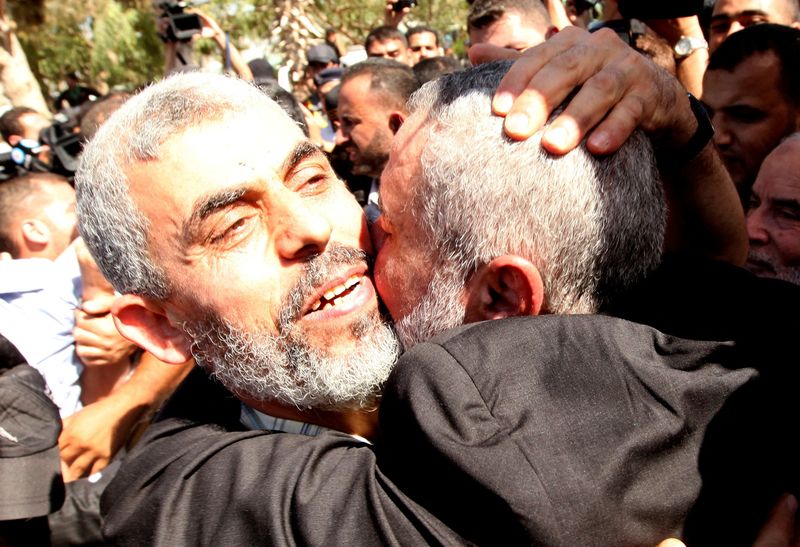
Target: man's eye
755, 20
748, 115
789, 213
310, 179
720, 26
231, 232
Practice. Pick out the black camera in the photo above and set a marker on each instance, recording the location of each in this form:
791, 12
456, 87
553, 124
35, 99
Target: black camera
24, 157
65, 147
56, 151
401, 4
659, 9
181, 25
8, 167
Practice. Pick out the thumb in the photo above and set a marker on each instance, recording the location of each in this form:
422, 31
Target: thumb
100, 305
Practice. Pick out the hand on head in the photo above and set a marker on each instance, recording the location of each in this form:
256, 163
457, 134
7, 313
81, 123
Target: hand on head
620, 90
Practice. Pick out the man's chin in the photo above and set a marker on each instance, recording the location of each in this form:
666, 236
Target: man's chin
338, 339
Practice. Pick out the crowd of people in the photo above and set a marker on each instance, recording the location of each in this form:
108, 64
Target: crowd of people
536, 296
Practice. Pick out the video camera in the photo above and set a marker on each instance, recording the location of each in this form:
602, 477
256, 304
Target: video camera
56, 151
400, 5
182, 26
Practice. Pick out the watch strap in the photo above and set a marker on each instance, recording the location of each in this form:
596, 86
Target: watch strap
702, 135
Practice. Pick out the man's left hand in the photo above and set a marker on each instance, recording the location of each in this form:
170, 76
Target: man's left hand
620, 90
91, 437
97, 340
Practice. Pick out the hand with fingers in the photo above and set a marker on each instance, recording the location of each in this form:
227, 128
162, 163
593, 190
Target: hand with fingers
617, 90
620, 90
393, 17
89, 439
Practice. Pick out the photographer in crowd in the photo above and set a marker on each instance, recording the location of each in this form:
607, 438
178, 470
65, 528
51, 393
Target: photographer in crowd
178, 28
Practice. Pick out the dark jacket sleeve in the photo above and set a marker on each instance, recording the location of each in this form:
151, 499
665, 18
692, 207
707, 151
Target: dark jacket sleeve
195, 483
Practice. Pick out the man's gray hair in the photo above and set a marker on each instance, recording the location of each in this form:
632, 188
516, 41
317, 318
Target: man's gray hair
115, 231
591, 225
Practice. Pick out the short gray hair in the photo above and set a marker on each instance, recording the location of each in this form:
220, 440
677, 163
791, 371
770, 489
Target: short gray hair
591, 225
115, 231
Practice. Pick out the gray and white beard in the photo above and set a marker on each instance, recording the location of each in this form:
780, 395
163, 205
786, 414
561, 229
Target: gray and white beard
285, 368
440, 309
784, 273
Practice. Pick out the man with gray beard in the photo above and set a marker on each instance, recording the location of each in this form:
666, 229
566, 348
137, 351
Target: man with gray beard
237, 243
773, 215
285, 367
151, 168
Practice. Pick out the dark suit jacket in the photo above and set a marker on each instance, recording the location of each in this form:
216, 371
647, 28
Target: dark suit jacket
585, 431
556, 430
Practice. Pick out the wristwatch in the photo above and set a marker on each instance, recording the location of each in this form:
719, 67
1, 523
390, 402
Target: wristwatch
702, 136
687, 45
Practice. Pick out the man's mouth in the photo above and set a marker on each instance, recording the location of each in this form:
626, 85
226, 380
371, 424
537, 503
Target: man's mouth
759, 267
347, 294
336, 295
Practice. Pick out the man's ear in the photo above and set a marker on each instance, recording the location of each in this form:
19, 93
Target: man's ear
507, 286
35, 233
396, 120
145, 323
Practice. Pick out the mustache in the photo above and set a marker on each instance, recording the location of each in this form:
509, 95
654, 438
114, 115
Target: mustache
761, 259
318, 269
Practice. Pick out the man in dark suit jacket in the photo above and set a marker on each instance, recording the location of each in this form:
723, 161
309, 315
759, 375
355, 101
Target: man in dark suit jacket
196, 456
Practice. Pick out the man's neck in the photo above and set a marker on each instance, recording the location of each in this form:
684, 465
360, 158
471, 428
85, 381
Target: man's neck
363, 423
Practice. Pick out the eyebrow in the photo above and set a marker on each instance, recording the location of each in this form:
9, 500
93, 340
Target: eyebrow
302, 151
786, 202
209, 204
746, 13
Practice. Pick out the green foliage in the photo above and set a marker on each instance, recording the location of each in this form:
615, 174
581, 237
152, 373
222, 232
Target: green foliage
105, 41
56, 45
125, 50
114, 42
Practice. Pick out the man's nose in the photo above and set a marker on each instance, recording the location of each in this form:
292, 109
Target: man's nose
756, 230
340, 138
302, 232
734, 27
722, 136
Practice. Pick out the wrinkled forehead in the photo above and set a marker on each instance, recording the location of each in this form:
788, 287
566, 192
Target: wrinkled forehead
238, 148
423, 37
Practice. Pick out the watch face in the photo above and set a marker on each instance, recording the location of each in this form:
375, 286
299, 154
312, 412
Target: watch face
688, 44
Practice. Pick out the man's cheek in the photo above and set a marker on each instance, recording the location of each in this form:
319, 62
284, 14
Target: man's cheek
383, 282
377, 237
